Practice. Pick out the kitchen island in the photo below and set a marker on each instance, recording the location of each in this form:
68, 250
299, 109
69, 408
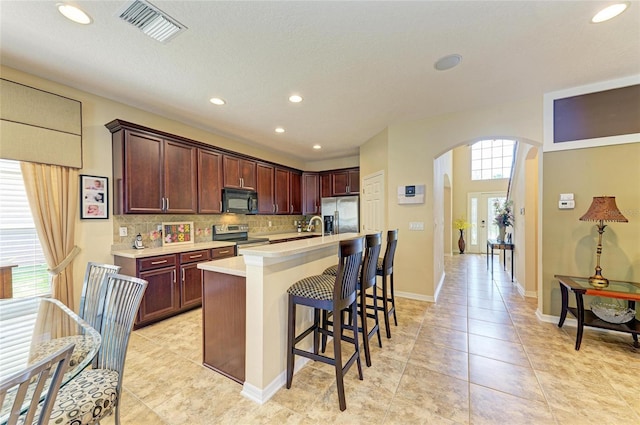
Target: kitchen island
268, 271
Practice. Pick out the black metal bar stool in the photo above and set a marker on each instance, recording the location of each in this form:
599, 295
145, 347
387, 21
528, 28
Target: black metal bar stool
324, 292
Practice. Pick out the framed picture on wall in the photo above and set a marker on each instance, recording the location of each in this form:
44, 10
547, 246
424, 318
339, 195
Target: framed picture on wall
177, 233
94, 197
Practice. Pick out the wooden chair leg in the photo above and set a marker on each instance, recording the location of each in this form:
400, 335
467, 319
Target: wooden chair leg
385, 305
375, 314
291, 329
393, 301
365, 331
354, 310
337, 353
316, 332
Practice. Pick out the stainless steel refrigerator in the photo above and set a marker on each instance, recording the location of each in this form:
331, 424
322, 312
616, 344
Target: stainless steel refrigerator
345, 211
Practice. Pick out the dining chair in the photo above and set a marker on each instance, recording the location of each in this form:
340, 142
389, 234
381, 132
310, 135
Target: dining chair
324, 292
95, 393
29, 384
90, 297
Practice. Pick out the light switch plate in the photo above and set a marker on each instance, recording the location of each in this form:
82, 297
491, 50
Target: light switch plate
416, 225
123, 231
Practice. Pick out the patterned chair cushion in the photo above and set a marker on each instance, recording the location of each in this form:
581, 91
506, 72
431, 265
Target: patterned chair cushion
87, 398
83, 346
318, 287
331, 271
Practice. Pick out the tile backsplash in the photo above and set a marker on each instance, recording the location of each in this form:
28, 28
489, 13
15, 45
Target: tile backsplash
147, 226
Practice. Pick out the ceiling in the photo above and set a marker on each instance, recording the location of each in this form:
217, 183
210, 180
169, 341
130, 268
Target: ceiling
360, 66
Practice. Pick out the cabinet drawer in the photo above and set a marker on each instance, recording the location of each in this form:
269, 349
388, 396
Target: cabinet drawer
151, 263
193, 256
227, 251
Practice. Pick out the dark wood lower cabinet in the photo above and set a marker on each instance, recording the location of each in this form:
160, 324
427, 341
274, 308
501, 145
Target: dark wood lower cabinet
223, 324
175, 282
162, 296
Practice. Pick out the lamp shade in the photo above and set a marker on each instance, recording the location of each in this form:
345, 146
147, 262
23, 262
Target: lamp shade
604, 208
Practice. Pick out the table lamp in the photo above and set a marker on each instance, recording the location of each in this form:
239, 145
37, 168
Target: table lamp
603, 208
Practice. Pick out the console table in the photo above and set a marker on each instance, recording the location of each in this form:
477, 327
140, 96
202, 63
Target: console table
580, 286
504, 246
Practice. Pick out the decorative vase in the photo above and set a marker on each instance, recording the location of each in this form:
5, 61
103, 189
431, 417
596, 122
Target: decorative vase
501, 232
461, 244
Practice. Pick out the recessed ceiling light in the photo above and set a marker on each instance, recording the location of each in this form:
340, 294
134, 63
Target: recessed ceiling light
279, 130
447, 62
609, 12
217, 101
317, 147
295, 98
73, 13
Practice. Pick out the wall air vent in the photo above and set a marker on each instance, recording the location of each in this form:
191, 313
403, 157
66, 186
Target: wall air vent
151, 20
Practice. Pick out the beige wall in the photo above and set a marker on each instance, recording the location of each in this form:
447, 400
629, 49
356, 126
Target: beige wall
331, 164
412, 149
568, 244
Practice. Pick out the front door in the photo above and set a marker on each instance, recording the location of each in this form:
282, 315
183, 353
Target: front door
480, 212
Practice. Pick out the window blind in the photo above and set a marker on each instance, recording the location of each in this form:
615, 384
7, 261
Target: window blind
19, 243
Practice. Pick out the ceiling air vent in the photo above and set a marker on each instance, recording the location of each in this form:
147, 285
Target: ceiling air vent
151, 20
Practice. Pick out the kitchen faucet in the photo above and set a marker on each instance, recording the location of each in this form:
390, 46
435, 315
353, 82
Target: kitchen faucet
316, 217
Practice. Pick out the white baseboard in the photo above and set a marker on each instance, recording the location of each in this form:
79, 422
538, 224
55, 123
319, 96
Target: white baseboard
261, 396
412, 296
439, 287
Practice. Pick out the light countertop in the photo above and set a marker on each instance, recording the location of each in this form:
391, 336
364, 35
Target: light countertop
231, 265
151, 252
296, 247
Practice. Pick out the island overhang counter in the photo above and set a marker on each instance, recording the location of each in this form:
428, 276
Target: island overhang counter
269, 270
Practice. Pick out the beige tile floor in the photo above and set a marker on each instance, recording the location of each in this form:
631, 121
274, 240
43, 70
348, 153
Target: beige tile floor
477, 356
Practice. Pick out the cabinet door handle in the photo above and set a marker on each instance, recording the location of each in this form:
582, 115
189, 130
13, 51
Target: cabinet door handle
291, 210
241, 182
224, 252
195, 256
182, 275
167, 205
174, 275
220, 205
158, 262
162, 208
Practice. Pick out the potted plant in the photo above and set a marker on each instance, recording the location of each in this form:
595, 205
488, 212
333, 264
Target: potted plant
503, 217
461, 224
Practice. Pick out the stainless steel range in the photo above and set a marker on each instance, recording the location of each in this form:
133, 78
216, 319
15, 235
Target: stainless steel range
238, 233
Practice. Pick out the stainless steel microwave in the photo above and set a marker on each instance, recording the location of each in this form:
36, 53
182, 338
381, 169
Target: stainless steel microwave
239, 201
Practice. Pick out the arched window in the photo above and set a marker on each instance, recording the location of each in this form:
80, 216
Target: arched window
492, 159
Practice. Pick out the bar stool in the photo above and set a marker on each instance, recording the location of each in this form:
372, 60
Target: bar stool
384, 269
366, 281
324, 292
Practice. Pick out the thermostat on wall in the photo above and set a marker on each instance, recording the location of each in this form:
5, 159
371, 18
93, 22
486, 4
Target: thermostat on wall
411, 194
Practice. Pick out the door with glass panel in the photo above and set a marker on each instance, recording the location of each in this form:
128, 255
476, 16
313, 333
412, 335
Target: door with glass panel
481, 213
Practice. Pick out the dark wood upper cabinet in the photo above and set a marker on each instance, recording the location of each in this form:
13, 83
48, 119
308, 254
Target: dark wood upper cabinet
295, 192
209, 182
282, 196
265, 180
180, 178
156, 172
152, 174
239, 173
345, 182
310, 193
325, 185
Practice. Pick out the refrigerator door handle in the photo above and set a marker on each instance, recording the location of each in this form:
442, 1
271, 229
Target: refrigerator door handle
336, 222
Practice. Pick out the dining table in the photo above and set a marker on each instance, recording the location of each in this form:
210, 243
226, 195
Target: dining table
35, 327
